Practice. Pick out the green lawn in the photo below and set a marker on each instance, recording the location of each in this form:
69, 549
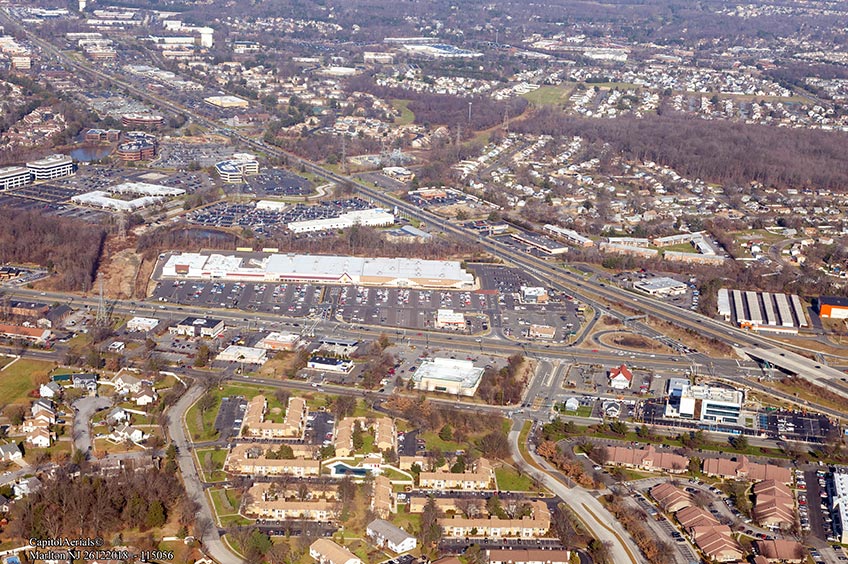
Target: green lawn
21, 377
218, 457
410, 522
406, 115
432, 440
201, 427
510, 480
549, 95
225, 501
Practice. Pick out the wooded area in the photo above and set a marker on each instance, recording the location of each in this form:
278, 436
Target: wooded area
93, 506
713, 150
70, 248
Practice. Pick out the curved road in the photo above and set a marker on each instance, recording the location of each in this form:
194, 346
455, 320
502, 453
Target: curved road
595, 516
194, 487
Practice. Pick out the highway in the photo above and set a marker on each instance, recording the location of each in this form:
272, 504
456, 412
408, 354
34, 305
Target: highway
597, 294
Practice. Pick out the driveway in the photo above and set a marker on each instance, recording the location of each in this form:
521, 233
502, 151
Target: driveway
84, 410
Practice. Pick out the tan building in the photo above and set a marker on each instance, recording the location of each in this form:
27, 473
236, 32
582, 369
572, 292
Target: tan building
383, 499
780, 550
447, 504
671, 498
537, 525
743, 469
647, 459
694, 516
385, 436
774, 504
251, 460
528, 556
326, 551
542, 332
293, 426
481, 478
282, 510
407, 462
717, 543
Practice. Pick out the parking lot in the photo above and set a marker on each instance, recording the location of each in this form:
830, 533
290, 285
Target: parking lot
808, 427
264, 221
229, 419
277, 182
319, 427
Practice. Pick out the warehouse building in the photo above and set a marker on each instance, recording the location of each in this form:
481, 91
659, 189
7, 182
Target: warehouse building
227, 102
52, 167
832, 307
142, 324
661, 286
369, 218
448, 375
14, 177
321, 269
278, 341
569, 235
247, 355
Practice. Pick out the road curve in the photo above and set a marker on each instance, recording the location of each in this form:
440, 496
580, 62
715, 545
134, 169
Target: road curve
215, 547
600, 523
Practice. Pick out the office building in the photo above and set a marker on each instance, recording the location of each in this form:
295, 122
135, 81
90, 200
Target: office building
49, 168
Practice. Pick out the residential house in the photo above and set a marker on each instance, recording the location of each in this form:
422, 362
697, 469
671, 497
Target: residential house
326, 551
50, 390
117, 415
145, 396
124, 432
385, 436
10, 451
386, 535
126, 383
39, 437
86, 382
25, 487
5, 504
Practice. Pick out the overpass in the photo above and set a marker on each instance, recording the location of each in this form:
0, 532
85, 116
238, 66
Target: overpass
792, 363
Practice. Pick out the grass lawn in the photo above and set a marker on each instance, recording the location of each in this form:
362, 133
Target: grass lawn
432, 440
549, 95
681, 247
510, 480
217, 458
21, 377
582, 411
409, 522
406, 115
201, 426
225, 501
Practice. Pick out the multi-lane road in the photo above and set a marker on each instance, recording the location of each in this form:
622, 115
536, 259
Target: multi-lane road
613, 300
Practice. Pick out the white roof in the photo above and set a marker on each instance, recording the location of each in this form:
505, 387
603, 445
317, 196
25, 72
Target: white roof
659, 283
145, 189
243, 354
450, 316
449, 369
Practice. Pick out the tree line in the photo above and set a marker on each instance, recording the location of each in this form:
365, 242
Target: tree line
94, 506
69, 248
713, 150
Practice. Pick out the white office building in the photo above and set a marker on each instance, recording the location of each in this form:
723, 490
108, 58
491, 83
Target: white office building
448, 375
703, 403
661, 286
840, 504
54, 166
142, 324
14, 177
234, 169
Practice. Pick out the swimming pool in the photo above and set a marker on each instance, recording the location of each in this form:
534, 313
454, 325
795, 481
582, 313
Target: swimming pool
342, 469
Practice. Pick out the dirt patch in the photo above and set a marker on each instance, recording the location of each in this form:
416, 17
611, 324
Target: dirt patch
691, 338
119, 268
631, 341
